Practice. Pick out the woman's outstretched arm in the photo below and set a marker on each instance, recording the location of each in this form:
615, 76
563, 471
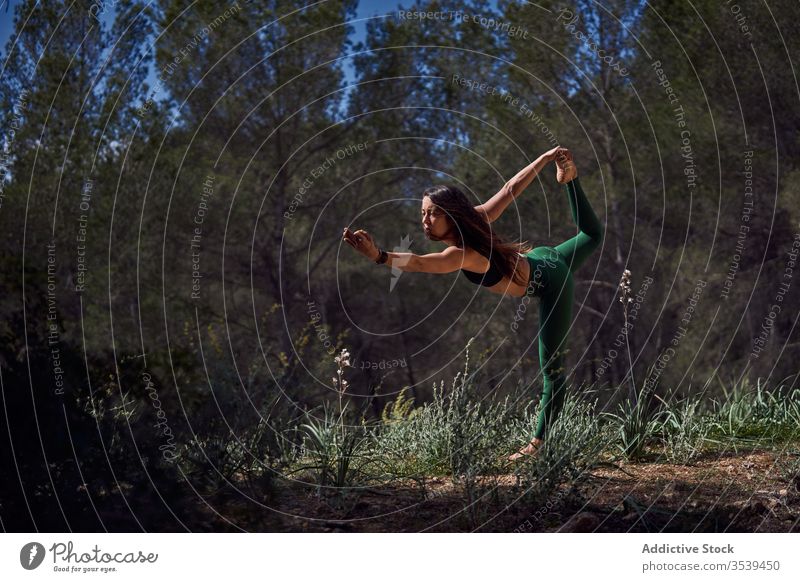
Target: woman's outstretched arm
496, 205
450, 259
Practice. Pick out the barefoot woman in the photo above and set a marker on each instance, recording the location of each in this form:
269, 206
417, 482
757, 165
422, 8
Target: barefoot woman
488, 259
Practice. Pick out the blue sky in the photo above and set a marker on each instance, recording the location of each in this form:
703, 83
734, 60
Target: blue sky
6, 19
366, 9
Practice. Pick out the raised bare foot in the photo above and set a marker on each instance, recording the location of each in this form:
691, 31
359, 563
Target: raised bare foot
566, 171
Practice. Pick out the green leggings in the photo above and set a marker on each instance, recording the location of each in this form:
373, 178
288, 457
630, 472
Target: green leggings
551, 280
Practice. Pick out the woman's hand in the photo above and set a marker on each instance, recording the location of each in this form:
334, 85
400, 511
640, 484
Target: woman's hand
362, 241
551, 155
565, 167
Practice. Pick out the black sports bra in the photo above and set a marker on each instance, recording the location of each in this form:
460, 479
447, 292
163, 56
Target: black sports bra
491, 277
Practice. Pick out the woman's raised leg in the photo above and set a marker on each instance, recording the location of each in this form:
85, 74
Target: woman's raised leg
577, 249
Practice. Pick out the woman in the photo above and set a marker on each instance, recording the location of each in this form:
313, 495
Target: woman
489, 260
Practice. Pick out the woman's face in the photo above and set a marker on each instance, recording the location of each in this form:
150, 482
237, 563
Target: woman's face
434, 220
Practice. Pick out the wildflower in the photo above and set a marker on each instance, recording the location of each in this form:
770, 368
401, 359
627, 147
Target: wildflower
343, 359
626, 299
625, 287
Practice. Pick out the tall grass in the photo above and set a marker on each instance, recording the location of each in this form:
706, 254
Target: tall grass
337, 453
454, 434
636, 422
684, 430
574, 444
334, 453
466, 437
751, 414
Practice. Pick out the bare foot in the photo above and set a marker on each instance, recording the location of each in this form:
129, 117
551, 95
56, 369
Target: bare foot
566, 171
531, 449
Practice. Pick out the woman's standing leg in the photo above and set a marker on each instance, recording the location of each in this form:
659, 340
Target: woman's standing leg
555, 317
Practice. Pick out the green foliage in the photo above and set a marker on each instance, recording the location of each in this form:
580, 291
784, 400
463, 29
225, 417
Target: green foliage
336, 452
575, 443
684, 430
754, 414
636, 422
399, 410
454, 433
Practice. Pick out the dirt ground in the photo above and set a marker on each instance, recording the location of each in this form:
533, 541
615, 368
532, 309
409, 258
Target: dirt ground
734, 492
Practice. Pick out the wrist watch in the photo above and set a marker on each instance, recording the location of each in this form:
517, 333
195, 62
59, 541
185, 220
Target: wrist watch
383, 256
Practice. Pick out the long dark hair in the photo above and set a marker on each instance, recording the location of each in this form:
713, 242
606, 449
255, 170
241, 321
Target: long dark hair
471, 230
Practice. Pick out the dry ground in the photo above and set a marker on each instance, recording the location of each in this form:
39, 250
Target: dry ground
729, 492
